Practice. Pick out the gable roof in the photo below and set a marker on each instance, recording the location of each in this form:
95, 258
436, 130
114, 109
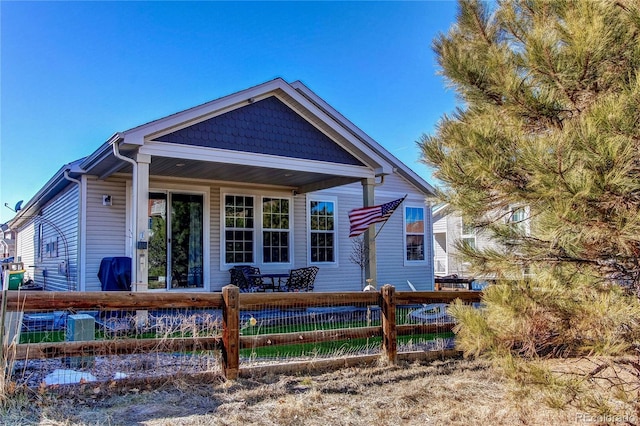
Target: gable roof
267, 126
320, 144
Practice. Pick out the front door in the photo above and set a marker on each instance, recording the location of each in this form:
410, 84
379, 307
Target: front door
175, 240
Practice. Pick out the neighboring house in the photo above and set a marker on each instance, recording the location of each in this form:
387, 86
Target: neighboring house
264, 177
7, 243
449, 228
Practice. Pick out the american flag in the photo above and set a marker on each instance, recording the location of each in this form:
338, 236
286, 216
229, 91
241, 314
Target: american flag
361, 219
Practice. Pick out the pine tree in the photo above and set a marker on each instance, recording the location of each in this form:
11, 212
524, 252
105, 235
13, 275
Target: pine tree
549, 120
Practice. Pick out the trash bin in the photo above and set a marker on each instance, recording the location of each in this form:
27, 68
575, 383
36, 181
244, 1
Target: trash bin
115, 273
15, 279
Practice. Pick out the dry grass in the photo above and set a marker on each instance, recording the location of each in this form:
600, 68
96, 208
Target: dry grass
453, 392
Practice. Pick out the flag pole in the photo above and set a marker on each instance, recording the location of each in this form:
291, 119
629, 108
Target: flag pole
385, 222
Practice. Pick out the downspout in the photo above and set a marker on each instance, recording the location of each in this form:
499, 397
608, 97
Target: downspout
5, 245
79, 237
134, 208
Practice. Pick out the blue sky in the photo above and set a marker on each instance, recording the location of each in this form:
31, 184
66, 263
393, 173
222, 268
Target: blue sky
74, 73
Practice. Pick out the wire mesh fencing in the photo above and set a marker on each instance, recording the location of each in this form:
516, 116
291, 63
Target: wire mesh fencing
59, 338
68, 346
274, 332
429, 327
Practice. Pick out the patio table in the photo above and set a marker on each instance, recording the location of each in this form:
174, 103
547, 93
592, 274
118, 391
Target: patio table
270, 278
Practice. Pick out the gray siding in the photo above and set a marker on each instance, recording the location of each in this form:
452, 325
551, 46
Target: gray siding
107, 235
57, 269
300, 237
390, 244
440, 225
63, 212
454, 233
25, 248
106, 232
218, 278
456, 264
345, 276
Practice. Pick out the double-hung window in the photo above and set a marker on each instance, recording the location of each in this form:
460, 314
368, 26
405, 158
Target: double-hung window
239, 223
468, 233
519, 218
322, 230
257, 230
275, 230
414, 231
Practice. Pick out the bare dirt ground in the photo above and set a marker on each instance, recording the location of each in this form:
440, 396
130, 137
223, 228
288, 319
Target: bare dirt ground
452, 392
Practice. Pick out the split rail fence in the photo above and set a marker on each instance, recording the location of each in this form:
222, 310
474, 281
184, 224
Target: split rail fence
229, 340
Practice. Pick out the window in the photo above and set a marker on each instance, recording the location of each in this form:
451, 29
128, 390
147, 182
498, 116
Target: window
518, 215
322, 230
275, 230
414, 234
39, 242
238, 223
251, 225
519, 218
468, 233
51, 247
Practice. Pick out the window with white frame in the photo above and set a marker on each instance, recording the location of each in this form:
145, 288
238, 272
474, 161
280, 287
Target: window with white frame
275, 230
519, 217
322, 230
468, 233
238, 229
414, 230
263, 225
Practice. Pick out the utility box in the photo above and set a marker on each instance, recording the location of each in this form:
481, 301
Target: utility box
80, 328
12, 266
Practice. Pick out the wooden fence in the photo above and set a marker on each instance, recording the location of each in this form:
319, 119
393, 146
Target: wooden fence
231, 302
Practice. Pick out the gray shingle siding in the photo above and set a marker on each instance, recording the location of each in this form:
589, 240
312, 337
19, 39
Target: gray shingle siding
267, 126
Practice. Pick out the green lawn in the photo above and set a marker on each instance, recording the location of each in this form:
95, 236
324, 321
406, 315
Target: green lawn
337, 347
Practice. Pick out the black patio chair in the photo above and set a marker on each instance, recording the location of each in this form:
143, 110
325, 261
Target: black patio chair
301, 279
244, 277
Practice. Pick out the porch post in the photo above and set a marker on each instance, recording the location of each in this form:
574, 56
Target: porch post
141, 237
368, 200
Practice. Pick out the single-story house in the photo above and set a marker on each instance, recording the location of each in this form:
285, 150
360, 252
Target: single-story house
264, 177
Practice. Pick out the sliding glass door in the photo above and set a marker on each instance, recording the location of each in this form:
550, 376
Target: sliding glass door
176, 251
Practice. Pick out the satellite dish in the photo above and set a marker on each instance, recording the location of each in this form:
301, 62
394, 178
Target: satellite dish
18, 206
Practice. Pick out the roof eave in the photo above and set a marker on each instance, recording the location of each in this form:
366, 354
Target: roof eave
58, 182
400, 167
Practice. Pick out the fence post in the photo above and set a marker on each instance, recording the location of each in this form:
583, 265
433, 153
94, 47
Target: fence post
231, 331
389, 332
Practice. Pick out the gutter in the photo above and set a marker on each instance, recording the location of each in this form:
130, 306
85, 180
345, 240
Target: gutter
80, 216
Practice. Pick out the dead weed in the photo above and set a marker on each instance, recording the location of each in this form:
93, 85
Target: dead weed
453, 392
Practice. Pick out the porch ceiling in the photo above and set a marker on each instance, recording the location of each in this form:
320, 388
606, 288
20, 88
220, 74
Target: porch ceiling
300, 181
